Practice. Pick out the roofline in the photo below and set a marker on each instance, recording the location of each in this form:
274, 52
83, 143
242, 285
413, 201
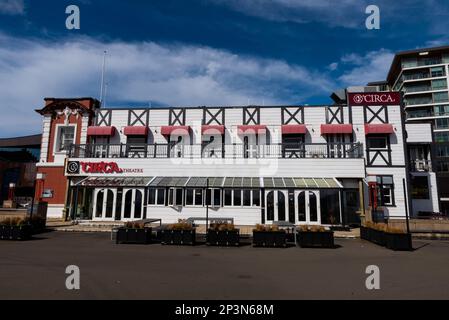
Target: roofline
218, 107
410, 52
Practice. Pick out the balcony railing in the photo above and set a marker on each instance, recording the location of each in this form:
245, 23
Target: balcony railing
420, 165
171, 150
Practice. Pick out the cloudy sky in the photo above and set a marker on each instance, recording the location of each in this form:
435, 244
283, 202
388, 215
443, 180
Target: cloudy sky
201, 52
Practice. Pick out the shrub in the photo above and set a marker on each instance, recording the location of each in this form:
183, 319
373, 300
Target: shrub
181, 225
394, 230
306, 228
134, 225
267, 228
222, 227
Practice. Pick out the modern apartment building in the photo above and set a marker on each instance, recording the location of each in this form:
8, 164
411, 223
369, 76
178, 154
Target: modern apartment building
255, 164
422, 76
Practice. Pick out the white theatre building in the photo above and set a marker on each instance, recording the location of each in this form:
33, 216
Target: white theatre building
322, 165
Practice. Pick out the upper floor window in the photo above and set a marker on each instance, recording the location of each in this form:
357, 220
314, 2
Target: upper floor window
442, 136
65, 136
377, 143
437, 71
385, 190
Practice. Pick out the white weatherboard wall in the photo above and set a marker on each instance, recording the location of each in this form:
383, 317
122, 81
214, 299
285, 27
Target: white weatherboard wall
419, 132
241, 215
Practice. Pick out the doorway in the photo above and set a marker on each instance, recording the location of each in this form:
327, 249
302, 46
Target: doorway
132, 204
104, 204
308, 207
276, 205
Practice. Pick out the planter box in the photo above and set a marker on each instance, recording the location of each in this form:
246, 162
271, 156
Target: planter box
129, 235
377, 237
223, 238
308, 239
269, 239
15, 232
398, 241
178, 237
365, 233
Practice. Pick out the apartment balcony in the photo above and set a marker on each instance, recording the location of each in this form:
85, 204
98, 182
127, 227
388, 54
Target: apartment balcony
420, 165
172, 150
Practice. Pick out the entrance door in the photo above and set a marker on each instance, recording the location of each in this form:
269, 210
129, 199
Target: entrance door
104, 204
307, 207
276, 205
132, 204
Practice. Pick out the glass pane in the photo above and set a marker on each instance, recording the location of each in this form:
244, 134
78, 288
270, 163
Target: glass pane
281, 206
109, 204
237, 197
199, 197
247, 198
291, 207
270, 206
387, 180
128, 203
99, 209
217, 197
170, 197
208, 198
313, 207
138, 205
189, 197
151, 196
256, 198
160, 196
302, 207
228, 197
179, 197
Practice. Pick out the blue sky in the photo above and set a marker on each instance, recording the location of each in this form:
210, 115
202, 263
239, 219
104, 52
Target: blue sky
201, 52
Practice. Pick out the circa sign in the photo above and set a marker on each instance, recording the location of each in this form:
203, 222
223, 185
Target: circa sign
374, 98
103, 167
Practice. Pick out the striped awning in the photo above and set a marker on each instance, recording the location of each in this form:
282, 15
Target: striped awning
246, 182
114, 182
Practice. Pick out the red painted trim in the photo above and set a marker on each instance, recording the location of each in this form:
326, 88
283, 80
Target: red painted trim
177, 130
382, 128
100, 131
336, 128
294, 129
212, 129
252, 129
135, 131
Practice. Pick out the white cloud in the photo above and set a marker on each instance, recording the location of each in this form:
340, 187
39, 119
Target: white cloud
173, 74
373, 66
12, 7
333, 66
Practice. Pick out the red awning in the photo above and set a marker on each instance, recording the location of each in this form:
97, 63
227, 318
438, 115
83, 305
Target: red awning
381, 128
100, 131
294, 129
212, 129
136, 131
177, 130
252, 129
336, 128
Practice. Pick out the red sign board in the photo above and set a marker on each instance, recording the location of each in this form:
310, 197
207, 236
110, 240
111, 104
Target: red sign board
374, 99
100, 167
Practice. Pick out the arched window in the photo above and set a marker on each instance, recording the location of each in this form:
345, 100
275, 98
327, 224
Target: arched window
302, 207
109, 203
270, 206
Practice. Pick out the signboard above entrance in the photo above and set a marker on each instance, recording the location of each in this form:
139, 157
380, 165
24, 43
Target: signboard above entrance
374, 99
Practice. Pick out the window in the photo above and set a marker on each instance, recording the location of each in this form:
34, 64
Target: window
237, 197
441, 110
377, 143
65, 137
246, 198
194, 197
439, 84
256, 198
156, 197
437, 71
442, 123
175, 197
442, 136
385, 190
443, 166
228, 197
420, 187
443, 151
213, 197
440, 97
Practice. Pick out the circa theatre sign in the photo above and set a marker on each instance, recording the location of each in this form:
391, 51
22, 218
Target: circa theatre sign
102, 167
374, 98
